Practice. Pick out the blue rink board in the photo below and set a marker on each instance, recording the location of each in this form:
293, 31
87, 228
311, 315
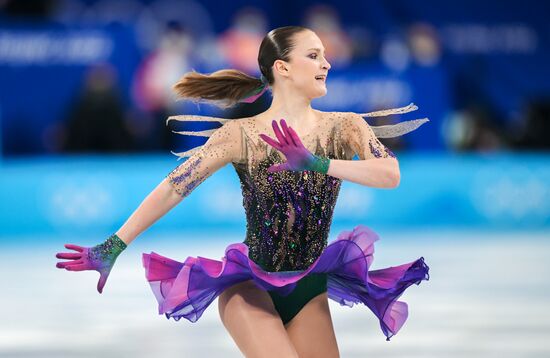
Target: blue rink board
82, 195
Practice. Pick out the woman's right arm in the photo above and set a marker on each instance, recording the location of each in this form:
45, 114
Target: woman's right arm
161, 200
222, 147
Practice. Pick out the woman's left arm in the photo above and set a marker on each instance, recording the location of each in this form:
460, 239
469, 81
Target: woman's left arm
377, 173
377, 165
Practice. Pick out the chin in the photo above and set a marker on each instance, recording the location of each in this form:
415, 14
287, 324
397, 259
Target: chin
315, 91
318, 94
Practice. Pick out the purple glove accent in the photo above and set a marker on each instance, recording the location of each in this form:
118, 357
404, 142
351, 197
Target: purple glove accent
298, 156
100, 258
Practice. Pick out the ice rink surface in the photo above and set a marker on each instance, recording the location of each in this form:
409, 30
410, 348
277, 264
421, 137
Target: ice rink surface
487, 296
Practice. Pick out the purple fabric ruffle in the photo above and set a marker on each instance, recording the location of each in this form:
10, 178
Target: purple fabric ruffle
187, 289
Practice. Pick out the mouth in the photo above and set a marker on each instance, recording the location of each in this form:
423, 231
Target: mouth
322, 78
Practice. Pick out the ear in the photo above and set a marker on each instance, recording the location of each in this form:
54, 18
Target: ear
281, 67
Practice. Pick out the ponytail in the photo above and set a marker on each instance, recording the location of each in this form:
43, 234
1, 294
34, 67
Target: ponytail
223, 88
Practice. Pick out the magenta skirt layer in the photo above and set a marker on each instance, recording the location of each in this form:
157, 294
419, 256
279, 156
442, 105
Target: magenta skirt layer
187, 289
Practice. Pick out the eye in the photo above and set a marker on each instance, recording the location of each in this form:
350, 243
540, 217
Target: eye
313, 54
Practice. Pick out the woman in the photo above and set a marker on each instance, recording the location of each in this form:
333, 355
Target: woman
273, 288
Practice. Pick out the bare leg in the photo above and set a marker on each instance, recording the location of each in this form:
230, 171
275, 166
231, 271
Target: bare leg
311, 330
248, 314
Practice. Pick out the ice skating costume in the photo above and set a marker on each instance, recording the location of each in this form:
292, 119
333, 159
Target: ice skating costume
288, 213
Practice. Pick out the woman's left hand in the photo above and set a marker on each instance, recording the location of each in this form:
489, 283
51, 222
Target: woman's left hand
298, 156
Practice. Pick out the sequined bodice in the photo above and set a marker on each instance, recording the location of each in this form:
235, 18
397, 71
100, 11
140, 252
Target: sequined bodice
288, 213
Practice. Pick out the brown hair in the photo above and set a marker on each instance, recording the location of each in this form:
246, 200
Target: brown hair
225, 88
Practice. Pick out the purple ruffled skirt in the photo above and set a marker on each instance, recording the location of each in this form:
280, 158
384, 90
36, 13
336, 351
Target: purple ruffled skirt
187, 289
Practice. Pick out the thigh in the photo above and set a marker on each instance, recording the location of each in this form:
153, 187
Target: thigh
248, 314
311, 330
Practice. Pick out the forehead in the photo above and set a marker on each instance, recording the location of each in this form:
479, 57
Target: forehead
306, 40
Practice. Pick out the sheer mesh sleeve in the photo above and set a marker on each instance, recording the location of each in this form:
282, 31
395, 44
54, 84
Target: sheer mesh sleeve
222, 147
362, 140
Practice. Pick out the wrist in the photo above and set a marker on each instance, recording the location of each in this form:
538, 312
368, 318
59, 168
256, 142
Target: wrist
320, 164
109, 249
116, 244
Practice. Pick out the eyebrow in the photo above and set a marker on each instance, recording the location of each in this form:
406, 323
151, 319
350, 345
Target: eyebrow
315, 48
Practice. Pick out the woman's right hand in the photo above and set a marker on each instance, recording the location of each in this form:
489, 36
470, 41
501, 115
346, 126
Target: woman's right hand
100, 258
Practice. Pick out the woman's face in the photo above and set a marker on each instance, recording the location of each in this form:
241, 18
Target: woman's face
307, 61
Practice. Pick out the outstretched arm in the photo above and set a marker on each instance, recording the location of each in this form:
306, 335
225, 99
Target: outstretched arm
377, 165
221, 148
160, 201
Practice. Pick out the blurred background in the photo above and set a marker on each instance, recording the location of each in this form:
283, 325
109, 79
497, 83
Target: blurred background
85, 89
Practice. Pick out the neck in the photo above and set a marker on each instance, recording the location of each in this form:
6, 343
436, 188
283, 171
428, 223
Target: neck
294, 108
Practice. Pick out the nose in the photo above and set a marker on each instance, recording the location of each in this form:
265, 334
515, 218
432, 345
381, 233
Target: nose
327, 65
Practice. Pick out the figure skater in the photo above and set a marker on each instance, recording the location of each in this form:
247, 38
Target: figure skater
273, 288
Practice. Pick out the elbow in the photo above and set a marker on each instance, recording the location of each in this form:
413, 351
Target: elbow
395, 180
390, 175
390, 181
396, 175
171, 192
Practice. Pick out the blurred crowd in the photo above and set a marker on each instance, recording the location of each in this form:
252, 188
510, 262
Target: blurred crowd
178, 36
